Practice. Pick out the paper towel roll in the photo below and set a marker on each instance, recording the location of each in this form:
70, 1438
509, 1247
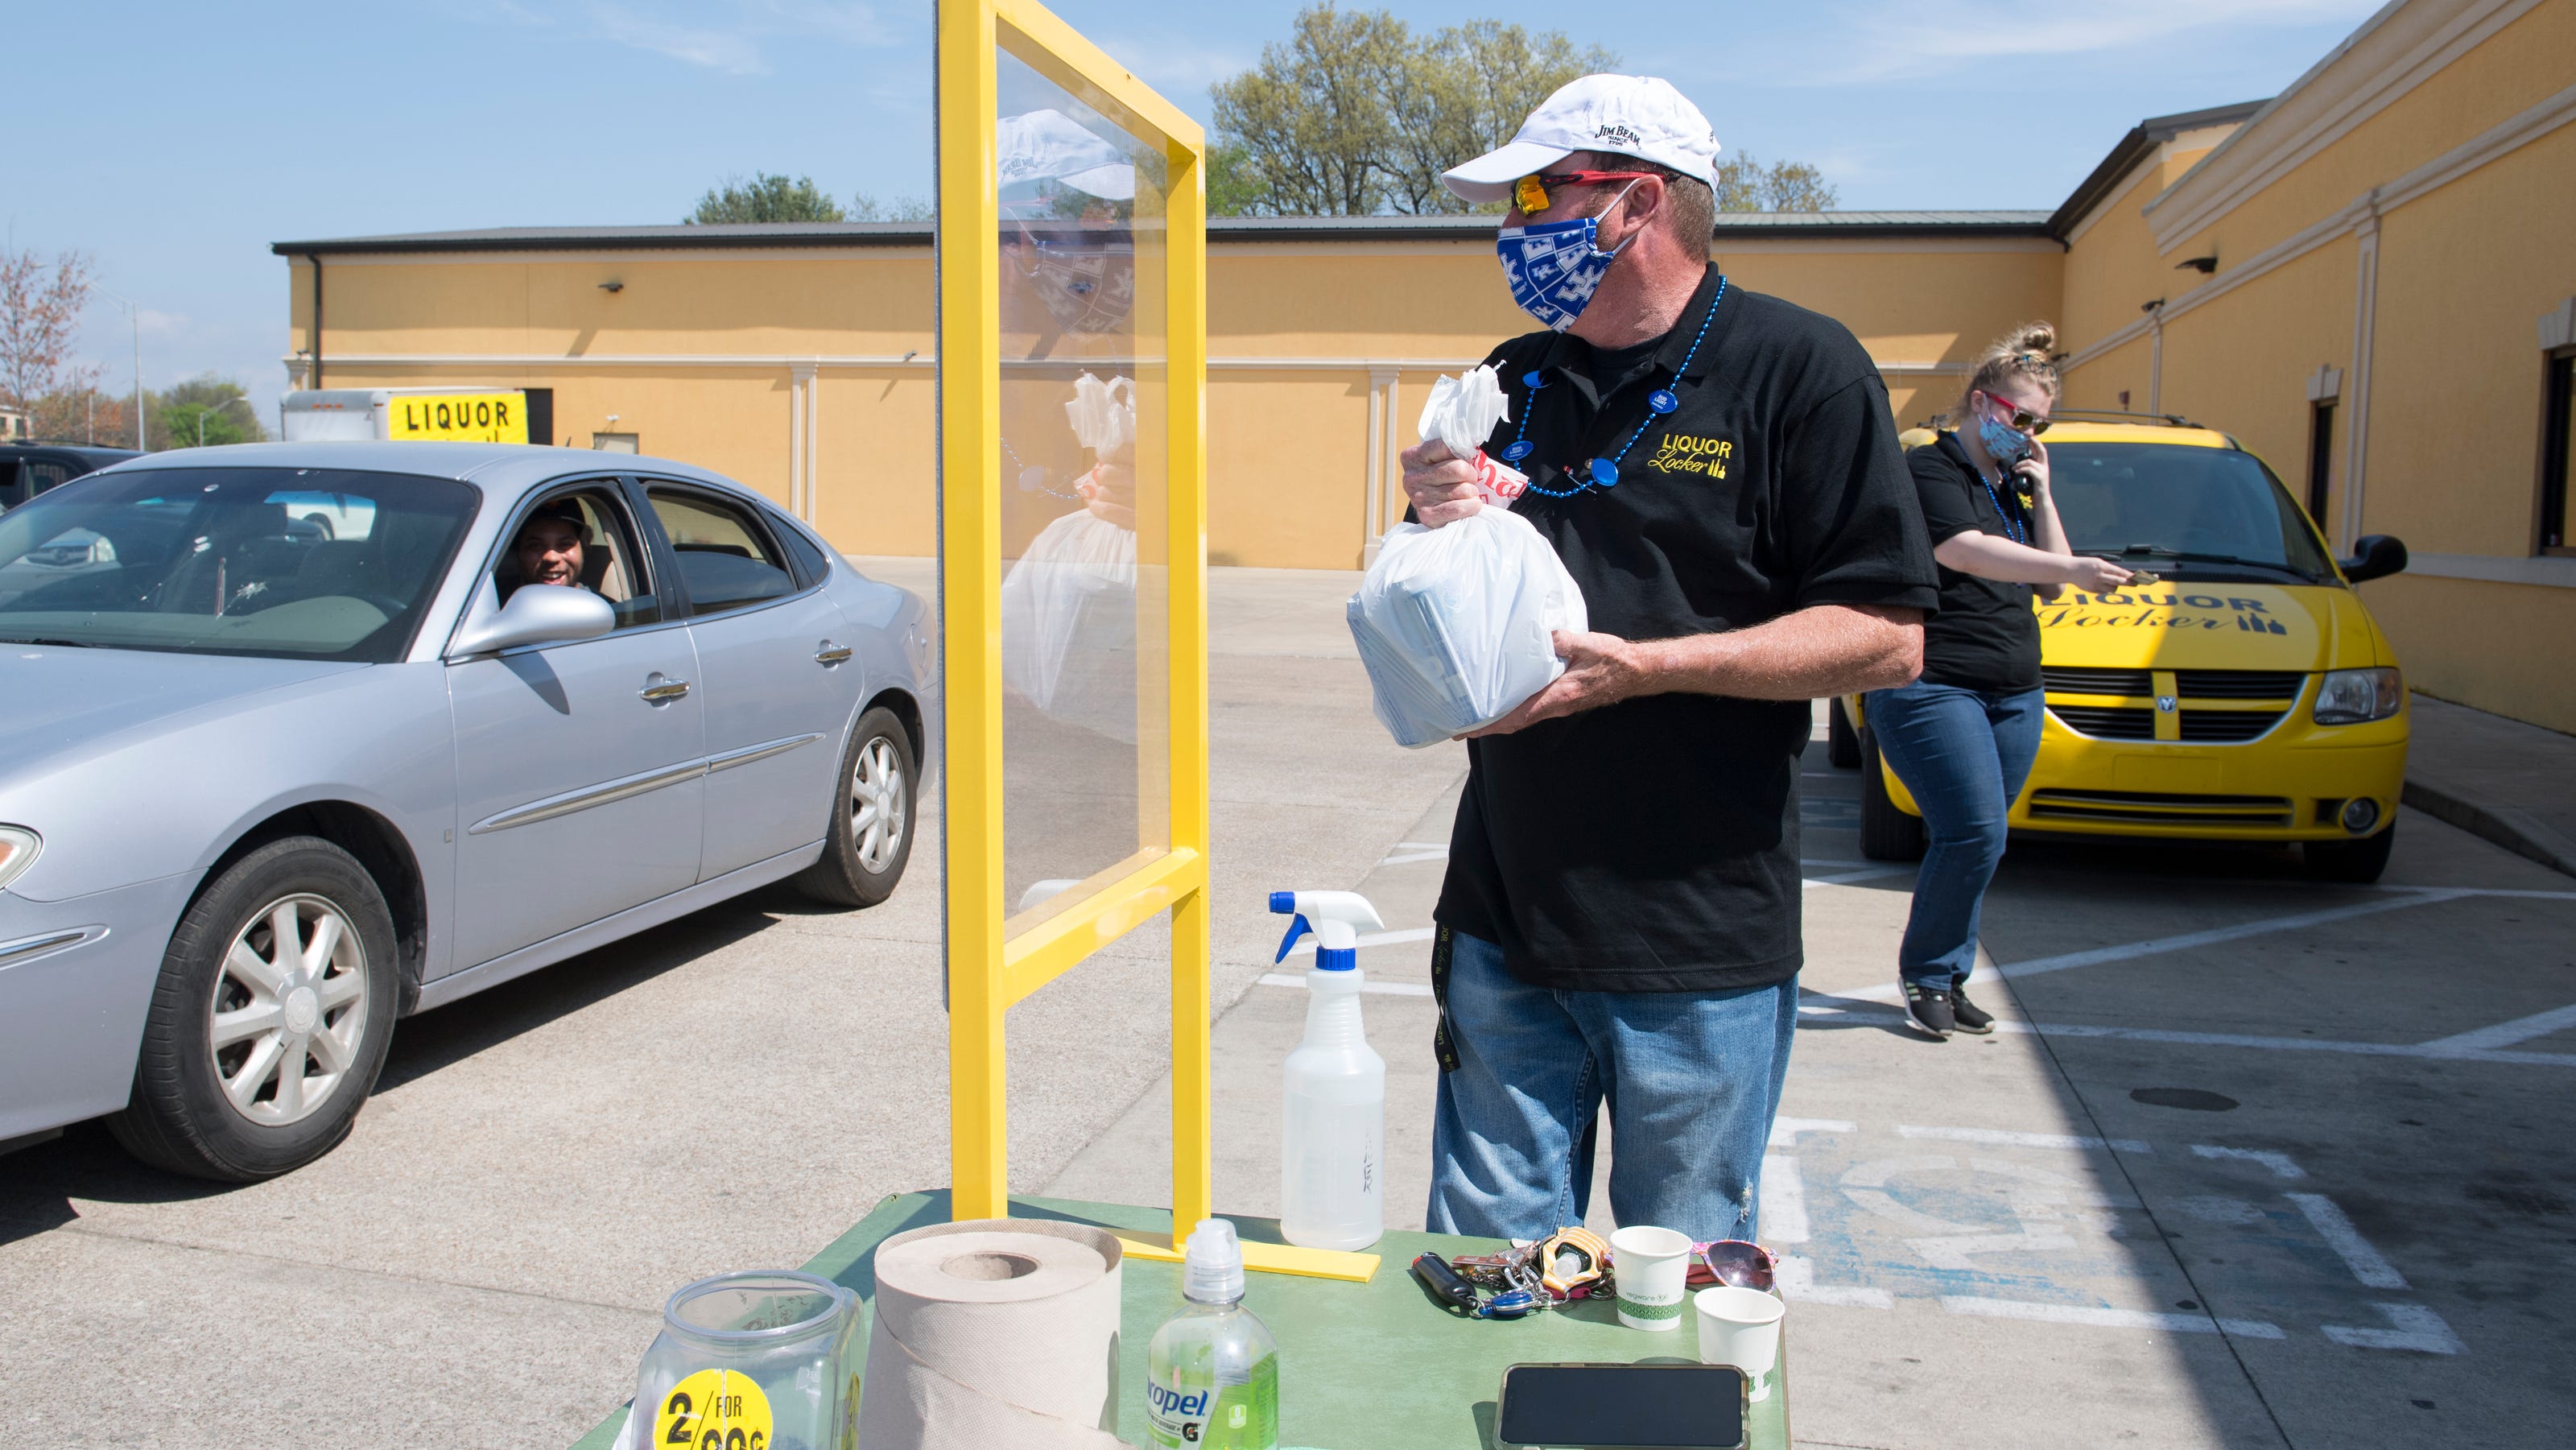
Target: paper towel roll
994, 1333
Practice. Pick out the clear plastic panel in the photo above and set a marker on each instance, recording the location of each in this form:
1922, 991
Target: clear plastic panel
1084, 407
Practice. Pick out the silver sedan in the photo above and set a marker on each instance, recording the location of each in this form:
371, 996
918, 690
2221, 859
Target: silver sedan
304, 738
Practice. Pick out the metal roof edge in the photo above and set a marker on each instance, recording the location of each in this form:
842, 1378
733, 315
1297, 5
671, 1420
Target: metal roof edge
2143, 137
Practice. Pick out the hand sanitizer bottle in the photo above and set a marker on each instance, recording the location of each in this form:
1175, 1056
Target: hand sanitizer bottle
1212, 1372
1332, 1189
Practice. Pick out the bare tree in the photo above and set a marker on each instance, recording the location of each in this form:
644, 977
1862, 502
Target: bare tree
1467, 89
40, 310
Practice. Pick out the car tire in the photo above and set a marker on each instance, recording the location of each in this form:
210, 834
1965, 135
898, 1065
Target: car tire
1842, 742
2359, 862
280, 1083
870, 836
1886, 832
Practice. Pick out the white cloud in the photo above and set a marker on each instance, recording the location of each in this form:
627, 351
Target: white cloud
1174, 67
730, 37
1895, 39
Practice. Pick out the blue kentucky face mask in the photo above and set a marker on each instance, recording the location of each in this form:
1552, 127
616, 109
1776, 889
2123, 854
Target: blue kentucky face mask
1554, 267
2008, 444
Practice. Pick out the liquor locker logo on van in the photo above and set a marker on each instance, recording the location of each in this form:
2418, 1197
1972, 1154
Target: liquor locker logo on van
2172, 610
458, 417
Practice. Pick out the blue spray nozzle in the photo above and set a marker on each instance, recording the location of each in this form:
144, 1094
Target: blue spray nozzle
1336, 959
1283, 902
1296, 929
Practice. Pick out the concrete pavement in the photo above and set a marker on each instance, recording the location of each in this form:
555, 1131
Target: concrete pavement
2511, 783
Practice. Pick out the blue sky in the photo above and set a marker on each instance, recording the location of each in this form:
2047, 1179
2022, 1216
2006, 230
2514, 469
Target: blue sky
177, 141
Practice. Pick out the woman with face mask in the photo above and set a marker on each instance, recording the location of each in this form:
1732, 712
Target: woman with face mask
1962, 736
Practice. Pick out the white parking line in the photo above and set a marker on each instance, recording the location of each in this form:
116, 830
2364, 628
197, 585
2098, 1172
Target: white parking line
1784, 1200
1388, 989
1305, 946
2347, 1242
2423, 1050
2109, 1318
1785, 1131
2280, 1163
2418, 1328
1847, 877
1891, 991
1796, 1277
2022, 1140
2506, 1034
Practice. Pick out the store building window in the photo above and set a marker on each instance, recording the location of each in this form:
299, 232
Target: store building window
2321, 416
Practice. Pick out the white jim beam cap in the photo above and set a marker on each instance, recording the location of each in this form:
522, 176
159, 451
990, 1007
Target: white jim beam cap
1640, 116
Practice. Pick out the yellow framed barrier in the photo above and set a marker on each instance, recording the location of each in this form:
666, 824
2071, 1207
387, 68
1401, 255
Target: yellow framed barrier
996, 957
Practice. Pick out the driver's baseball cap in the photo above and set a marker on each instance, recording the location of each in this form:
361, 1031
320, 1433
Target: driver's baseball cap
1640, 116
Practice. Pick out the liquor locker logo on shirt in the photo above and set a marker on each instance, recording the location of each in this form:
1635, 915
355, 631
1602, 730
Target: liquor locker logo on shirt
458, 417
1684, 453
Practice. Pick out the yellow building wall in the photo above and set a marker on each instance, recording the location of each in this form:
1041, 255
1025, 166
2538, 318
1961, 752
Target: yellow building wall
2498, 647
2508, 72
2241, 362
2464, 274
2112, 267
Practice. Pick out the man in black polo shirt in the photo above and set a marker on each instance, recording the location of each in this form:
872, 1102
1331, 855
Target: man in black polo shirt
1720, 473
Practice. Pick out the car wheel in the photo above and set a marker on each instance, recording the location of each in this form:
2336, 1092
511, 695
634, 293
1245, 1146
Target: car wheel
1886, 833
271, 1018
2359, 861
1842, 742
872, 813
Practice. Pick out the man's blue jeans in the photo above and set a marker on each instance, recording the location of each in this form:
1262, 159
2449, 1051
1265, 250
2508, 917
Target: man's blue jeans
1964, 754
1692, 1080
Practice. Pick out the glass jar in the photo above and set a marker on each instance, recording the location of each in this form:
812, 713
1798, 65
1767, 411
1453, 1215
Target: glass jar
766, 1360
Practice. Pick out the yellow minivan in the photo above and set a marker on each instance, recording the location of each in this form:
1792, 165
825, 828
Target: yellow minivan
2245, 695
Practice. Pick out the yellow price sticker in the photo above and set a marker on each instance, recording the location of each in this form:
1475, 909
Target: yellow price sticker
715, 1409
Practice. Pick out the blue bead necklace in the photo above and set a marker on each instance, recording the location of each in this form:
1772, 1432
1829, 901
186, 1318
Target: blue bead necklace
1604, 472
2016, 532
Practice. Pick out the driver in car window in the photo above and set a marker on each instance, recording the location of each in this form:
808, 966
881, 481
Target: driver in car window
550, 545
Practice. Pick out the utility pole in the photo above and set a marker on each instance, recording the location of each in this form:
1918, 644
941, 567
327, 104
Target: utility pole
219, 407
135, 312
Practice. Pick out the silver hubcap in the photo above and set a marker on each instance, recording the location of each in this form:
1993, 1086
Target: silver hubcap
290, 1010
876, 805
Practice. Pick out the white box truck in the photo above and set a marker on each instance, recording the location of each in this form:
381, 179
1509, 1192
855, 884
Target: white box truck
470, 415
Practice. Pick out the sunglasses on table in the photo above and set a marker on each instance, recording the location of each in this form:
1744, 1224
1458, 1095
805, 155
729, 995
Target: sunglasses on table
1530, 193
2022, 418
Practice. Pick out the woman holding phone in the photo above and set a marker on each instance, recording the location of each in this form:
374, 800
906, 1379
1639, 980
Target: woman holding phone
1963, 735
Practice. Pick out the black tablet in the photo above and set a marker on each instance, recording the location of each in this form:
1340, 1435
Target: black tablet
1622, 1407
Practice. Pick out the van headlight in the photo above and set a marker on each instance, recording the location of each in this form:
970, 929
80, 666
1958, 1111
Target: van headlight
2350, 697
18, 850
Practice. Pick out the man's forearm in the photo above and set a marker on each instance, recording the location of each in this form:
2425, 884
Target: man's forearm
1825, 649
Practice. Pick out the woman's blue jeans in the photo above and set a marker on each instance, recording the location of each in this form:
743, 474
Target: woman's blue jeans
1964, 754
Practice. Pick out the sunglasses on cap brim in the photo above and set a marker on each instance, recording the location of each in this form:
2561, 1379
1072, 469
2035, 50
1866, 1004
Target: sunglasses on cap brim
1530, 193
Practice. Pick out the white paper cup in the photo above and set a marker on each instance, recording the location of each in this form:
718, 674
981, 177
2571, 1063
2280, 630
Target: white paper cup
1740, 1327
1652, 1266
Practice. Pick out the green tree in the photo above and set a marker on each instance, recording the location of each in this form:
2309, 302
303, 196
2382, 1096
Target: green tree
1233, 188
765, 198
1745, 184
1313, 119
1467, 89
218, 409
866, 208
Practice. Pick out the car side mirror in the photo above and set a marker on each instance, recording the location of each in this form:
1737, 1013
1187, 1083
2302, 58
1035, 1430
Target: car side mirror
536, 614
2375, 556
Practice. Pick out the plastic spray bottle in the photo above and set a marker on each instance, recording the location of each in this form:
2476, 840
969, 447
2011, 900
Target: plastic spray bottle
1212, 1372
1332, 1189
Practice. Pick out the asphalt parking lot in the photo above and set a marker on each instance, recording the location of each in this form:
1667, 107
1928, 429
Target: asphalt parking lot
2253, 1161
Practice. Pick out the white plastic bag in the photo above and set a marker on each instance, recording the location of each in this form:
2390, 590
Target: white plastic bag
1462, 413
1069, 625
1456, 624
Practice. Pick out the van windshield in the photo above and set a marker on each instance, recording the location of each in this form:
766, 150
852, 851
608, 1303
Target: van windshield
299, 563
2184, 512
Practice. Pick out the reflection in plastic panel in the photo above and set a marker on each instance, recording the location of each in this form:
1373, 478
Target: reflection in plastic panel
1083, 471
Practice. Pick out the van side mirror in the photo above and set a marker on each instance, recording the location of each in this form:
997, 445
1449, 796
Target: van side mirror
536, 614
2374, 556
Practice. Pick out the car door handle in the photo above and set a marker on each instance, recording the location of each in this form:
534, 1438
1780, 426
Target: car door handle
668, 689
831, 654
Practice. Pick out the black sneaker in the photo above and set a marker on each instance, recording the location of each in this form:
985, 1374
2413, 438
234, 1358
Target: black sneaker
1929, 1010
1967, 1015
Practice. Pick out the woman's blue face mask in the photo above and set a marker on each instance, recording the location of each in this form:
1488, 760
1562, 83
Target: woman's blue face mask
2008, 444
1554, 267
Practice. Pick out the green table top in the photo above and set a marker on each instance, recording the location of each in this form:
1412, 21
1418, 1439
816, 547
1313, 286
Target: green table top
1361, 1366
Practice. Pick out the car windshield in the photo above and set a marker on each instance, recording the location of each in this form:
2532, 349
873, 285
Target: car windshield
301, 563
2185, 512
